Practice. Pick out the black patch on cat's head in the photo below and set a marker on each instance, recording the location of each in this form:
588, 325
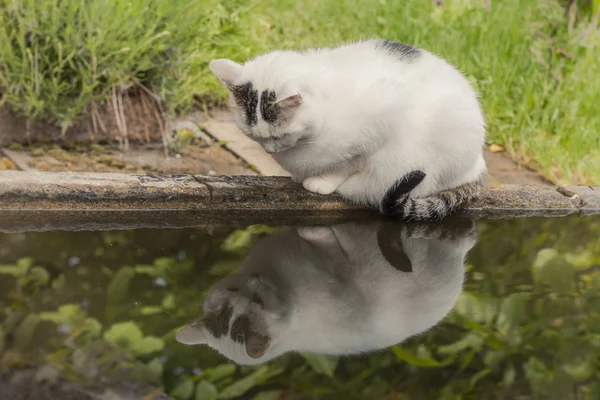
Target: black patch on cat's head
268, 109
218, 323
246, 97
400, 50
240, 328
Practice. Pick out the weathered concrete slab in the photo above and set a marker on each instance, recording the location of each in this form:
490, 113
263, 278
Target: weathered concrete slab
44, 201
589, 195
244, 147
110, 191
523, 200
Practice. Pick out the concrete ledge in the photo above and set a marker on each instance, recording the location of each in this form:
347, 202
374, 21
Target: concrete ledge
35, 196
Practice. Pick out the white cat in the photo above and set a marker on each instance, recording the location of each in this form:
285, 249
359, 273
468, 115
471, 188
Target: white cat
382, 123
340, 290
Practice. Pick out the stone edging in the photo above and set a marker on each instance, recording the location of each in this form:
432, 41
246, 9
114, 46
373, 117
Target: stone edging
235, 199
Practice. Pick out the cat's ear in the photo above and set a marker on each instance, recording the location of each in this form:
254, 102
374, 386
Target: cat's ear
289, 102
257, 344
192, 334
226, 70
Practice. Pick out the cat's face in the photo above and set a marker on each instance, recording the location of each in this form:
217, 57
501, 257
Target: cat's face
272, 117
243, 314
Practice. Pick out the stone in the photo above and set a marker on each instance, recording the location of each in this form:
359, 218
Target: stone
522, 200
70, 200
589, 195
230, 136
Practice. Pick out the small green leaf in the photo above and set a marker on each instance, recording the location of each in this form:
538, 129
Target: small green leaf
118, 287
169, 301
236, 241
224, 267
146, 269
410, 358
184, 390
321, 364
19, 269
91, 328
243, 385
206, 391
123, 334
39, 275
150, 310
10, 270
148, 345
469, 341
219, 372
580, 370
478, 376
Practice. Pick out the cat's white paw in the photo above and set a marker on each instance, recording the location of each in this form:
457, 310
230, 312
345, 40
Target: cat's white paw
316, 184
314, 233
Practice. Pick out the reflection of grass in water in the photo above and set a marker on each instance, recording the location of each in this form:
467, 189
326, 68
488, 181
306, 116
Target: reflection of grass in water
527, 322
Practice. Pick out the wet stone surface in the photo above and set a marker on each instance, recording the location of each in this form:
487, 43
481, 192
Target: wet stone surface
70, 191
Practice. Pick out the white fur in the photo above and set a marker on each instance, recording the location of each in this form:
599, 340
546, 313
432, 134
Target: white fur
367, 118
330, 290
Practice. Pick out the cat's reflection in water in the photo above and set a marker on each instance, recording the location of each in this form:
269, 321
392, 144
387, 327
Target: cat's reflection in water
337, 290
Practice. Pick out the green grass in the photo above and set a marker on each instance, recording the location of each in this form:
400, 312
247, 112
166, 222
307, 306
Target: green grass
537, 74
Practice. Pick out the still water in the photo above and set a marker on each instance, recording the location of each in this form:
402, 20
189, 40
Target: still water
504, 309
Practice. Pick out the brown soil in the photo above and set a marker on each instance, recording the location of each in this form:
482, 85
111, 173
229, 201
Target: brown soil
135, 117
191, 159
503, 170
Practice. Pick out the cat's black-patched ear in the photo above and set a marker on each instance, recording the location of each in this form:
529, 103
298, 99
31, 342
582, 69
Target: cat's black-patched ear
289, 102
226, 70
257, 344
192, 334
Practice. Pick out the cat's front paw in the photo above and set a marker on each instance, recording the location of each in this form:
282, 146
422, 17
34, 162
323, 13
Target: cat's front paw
316, 184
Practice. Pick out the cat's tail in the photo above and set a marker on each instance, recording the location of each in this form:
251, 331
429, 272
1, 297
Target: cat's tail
398, 203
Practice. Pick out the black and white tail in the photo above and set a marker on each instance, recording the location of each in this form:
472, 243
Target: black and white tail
398, 203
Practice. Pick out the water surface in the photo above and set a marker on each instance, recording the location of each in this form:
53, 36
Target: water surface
103, 308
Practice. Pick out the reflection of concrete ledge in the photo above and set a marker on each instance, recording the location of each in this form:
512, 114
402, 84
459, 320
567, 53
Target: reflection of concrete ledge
234, 199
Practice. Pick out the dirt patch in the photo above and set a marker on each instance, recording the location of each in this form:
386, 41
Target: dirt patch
138, 119
503, 170
148, 158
